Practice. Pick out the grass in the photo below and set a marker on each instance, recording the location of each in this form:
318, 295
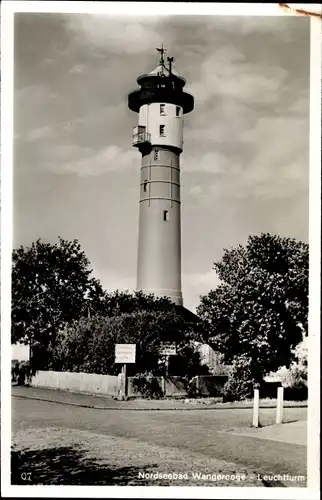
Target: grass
57, 456
246, 403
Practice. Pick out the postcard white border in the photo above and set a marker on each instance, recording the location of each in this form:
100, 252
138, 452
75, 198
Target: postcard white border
8, 9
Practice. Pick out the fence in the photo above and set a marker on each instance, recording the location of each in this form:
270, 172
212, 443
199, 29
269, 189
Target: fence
77, 382
205, 385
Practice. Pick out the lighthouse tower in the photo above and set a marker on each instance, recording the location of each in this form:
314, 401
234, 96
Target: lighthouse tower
160, 103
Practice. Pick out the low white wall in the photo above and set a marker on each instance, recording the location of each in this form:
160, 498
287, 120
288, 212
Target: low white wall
77, 382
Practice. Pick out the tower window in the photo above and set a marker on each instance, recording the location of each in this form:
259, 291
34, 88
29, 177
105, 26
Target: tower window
156, 155
165, 215
162, 109
145, 186
162, 130
178, 111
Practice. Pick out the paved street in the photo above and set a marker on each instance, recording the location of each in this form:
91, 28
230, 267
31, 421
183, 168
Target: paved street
212, 434
103, 402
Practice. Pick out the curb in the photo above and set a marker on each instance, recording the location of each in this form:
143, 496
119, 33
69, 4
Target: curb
94, 407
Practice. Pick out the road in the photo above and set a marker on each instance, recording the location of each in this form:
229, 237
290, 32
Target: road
210, 433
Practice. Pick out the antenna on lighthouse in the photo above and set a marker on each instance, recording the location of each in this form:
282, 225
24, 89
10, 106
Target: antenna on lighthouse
170, 61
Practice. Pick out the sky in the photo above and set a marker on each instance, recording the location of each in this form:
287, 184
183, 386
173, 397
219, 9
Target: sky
245, 162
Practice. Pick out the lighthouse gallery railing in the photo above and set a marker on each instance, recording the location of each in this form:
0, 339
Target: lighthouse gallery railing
140, 135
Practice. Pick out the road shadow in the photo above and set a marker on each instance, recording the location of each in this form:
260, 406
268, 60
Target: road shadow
69, 466
274, 423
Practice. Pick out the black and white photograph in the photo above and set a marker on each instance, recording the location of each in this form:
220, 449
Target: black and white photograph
161, 249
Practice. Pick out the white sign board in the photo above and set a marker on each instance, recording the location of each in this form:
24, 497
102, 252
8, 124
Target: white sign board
168, 350
125, 353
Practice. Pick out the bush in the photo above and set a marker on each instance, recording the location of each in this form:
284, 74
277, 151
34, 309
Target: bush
241, 381
147, 386
14, 371
237, 390
191, 388
297, 392
21, 373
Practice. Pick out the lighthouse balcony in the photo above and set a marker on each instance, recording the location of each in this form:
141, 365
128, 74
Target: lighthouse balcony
140, 136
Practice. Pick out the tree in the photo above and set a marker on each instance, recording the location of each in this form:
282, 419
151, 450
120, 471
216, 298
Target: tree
88, 345
261, 306
119, 302
51, 286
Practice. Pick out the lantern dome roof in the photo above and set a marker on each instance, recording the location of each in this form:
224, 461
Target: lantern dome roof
162, 69
162, 84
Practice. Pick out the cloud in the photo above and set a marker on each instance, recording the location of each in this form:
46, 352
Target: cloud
212, 162
94, 118
77, 69
31, 105
275, 164
38, 133
280, 154
301, 105
283, 29
226, 74
86, 162
194, 192
122, 35
48, 61
30, 95
218, 124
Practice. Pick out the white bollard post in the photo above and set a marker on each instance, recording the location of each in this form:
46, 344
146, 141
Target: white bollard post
256, 408
279, 407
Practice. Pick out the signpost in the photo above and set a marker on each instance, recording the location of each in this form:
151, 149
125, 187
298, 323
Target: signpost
167, 349
124, 353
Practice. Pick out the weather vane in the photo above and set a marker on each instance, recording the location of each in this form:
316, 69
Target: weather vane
162, 51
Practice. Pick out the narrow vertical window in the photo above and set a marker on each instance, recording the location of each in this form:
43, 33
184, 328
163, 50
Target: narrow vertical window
165, 215
156, 155
145, 186
162, 109
162, 130
178, 111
